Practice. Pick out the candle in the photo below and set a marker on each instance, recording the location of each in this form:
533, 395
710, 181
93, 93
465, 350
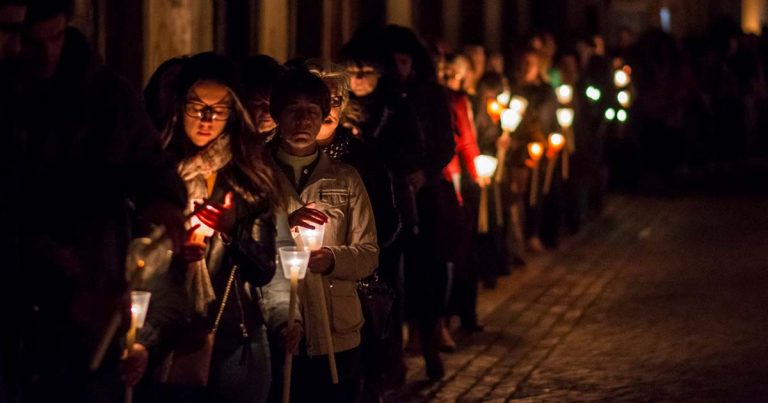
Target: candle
504, 98
621, 78
564, 94
312, 238
565, 117
494, 109
294, 261
519, 104
510, 120
556, 143
485, 166
593, 93
139, 307
535, 150
623, 98
610, 114
621, 115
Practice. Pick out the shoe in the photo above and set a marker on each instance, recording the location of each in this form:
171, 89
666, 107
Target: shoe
446, 343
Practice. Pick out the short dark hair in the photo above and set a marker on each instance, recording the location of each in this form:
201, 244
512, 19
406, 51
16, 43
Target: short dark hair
42, 10
260, 73
299, 82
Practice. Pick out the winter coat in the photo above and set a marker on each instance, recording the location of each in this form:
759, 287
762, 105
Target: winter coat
350, 235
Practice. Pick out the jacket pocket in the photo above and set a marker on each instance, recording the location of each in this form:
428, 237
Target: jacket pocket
334, 197
346, 314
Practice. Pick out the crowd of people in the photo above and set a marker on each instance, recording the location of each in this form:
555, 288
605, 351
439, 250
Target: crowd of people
432, 171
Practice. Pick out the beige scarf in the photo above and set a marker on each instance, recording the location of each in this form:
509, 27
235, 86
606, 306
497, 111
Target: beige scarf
194, 171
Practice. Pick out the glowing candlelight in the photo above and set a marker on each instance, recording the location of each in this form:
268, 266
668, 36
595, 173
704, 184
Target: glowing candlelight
139, 307
312, 238
593, 93
202, 230
510, 120
556, 143
621, 115
623, 98
565, 117
485, 166
504, 98
564, 94
518, 104
621, 78
535, 150
294, 261
494, 109
610, 114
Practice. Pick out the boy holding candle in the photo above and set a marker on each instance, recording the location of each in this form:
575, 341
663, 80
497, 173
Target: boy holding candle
318, 190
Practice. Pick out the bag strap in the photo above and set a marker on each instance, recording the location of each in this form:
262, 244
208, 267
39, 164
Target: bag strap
224, 298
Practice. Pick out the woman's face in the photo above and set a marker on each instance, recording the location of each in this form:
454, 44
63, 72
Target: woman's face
331, 122
363, 80
206, 111
300, 124
259, 108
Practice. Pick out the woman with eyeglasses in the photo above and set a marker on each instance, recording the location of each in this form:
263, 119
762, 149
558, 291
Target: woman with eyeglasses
230, 247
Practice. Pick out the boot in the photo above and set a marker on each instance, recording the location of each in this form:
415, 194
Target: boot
446, 342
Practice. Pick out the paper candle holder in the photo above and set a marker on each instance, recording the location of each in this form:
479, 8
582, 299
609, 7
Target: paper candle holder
140, 306
564, 94
623, 98
621, 78
293, 258
556, 141
535, 150
518, 104
594, 93
510, 120
565, 117
504, 98
485, 165
312, 238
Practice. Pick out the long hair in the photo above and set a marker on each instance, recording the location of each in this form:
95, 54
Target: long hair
253, 177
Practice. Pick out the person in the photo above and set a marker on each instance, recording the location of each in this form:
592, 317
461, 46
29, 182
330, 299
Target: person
378, 115
381, 349
158, 94
98, 159
260, 73
541, 219
467, 184
231, 191
321, 191
410, 70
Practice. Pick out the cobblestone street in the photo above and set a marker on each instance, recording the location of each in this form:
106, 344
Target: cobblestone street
658, 300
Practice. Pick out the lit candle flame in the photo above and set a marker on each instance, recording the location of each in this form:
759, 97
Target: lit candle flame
556, 141
621, 78
519, 104
564, 94
536, 150
504, 98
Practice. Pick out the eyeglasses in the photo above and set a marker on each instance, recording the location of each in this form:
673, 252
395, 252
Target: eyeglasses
203, 111
336, 101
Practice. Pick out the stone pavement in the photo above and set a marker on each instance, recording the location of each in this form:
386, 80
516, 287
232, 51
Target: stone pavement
658, 300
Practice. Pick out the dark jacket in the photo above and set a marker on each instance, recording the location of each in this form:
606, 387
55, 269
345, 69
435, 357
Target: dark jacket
93, 161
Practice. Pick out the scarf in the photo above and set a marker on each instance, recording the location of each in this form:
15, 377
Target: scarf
193, 171
339, 147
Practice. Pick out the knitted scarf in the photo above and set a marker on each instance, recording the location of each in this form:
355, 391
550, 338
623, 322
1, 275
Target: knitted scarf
193, 171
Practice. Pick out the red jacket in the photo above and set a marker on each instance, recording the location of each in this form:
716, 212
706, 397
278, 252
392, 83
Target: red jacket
464, 134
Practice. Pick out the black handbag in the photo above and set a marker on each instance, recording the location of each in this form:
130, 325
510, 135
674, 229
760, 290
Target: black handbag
377, 300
